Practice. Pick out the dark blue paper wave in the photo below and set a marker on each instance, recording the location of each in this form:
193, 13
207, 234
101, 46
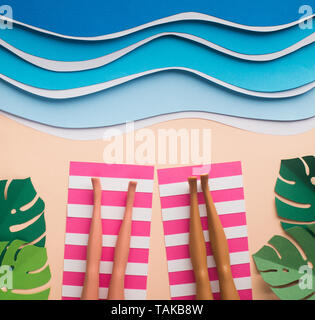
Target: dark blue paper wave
100, 17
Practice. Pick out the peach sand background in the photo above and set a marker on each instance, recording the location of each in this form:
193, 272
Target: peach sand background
26, 152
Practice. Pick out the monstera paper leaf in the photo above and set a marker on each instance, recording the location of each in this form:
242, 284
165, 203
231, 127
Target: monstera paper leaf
297, 185
21, 212
24, 272
289, 275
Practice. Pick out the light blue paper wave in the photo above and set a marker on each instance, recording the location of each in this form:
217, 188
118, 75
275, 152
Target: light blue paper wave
149, 96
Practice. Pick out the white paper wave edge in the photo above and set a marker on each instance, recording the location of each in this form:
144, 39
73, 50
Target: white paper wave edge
284, 128
83, 91
71, 66
177, 17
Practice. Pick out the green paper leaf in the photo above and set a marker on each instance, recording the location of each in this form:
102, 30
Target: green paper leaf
23, 268
289, 275
286, 226
19, 204
298, 188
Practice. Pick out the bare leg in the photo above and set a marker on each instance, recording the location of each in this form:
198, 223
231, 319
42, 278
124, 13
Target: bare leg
219, 246
197, 246
94, 251
117, 281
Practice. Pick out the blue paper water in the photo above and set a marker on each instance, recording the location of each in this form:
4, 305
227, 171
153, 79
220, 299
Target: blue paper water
291, 71
99, 17
247, 42
164, 92
149, 96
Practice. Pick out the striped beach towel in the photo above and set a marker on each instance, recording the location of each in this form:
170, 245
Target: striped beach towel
226, 185
114, 179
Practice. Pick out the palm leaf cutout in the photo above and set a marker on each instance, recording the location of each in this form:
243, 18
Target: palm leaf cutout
284, 273
297, 186
29, 271
21, 212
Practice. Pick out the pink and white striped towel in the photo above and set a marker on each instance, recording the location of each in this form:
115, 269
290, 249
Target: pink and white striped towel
226, 185
115, 180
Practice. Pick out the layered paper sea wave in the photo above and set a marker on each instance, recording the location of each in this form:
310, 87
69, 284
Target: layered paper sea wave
231, 70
